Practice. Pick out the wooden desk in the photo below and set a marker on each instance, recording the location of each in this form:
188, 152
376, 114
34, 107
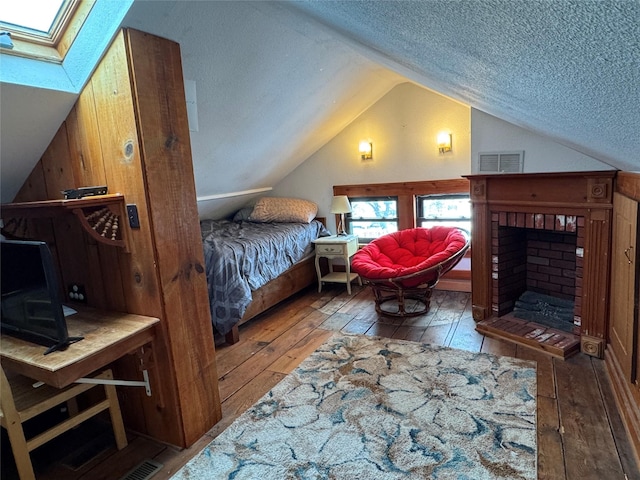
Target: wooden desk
107, 337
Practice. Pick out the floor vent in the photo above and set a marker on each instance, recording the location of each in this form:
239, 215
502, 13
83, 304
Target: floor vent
145, 470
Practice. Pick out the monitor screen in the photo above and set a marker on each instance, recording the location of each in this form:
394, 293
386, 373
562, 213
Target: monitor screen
31, 306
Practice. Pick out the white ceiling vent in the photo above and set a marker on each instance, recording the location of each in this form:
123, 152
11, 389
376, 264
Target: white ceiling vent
501, 162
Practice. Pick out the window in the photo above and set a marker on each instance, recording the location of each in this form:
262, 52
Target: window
403, 204
372, 217
30, 15
43, 29
450, 210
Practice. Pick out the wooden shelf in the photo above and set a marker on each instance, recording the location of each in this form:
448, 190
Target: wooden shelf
101, 216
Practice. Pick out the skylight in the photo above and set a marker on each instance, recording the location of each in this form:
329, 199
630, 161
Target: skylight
36, 15
42, 29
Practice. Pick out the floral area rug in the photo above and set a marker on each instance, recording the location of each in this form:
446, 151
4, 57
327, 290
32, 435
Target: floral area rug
375, 408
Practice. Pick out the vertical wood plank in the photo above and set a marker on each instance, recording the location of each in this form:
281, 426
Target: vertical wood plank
481, 258
113, 101
68, 239
170, 188
590, 451
627, 401
87, 166
550, 448
85, 150
595, 291
624, 444
406, 211
123, 172
56, 163
623, 288
33, 189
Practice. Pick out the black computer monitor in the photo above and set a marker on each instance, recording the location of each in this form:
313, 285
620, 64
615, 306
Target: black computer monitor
31, 305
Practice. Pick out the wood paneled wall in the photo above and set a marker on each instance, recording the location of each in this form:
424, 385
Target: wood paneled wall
623, 350
129, 130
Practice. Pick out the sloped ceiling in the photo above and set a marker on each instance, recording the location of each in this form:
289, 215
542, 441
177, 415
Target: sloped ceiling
276, 80
567, 69
272, 87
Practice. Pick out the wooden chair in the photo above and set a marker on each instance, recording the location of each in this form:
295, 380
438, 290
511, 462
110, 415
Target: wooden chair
20, 401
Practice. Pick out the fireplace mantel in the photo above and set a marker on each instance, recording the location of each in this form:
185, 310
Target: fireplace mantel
551, 195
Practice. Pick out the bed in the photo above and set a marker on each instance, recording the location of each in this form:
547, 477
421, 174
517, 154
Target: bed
253, 262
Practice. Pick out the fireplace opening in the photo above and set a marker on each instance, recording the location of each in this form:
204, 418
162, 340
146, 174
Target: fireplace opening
546, 310
537, 262
535, 272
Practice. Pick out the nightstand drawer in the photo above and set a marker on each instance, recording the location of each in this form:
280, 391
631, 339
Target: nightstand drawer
332, 249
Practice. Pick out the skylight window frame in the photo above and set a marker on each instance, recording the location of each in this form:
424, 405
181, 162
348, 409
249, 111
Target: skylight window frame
50, 46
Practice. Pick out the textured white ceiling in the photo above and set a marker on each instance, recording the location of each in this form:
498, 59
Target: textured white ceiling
568, 69
277, 80
273, 86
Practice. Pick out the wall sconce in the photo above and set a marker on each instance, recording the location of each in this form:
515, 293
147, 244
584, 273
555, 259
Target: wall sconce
444, 142
366, 150
340, 205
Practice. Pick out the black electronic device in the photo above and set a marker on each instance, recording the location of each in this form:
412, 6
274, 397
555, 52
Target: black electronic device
81, 192
31, 305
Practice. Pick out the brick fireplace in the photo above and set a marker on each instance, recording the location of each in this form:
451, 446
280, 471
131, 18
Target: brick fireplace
548, 234
531, 254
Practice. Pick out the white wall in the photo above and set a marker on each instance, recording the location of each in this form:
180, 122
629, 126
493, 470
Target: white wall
490, 134
403, 126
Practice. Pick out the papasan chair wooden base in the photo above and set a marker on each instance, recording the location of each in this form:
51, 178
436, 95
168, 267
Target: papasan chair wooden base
406, 265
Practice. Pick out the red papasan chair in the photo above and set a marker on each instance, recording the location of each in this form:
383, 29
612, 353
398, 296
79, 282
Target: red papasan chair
408, 264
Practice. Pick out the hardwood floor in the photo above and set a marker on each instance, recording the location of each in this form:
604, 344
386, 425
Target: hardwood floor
580, 434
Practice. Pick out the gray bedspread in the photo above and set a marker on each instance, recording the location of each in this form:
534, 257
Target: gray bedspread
243, 256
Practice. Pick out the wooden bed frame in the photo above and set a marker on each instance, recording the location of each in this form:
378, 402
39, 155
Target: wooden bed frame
296, 278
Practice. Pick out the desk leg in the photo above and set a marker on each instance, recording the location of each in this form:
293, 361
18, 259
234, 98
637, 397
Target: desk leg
319, 274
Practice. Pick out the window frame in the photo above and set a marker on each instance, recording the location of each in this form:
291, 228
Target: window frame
349, 220
421, 219
50, 46
406, 193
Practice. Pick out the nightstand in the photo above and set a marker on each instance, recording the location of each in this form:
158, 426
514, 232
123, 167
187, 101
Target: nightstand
337, 246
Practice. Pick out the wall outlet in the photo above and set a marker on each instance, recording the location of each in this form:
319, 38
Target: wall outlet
77, 293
